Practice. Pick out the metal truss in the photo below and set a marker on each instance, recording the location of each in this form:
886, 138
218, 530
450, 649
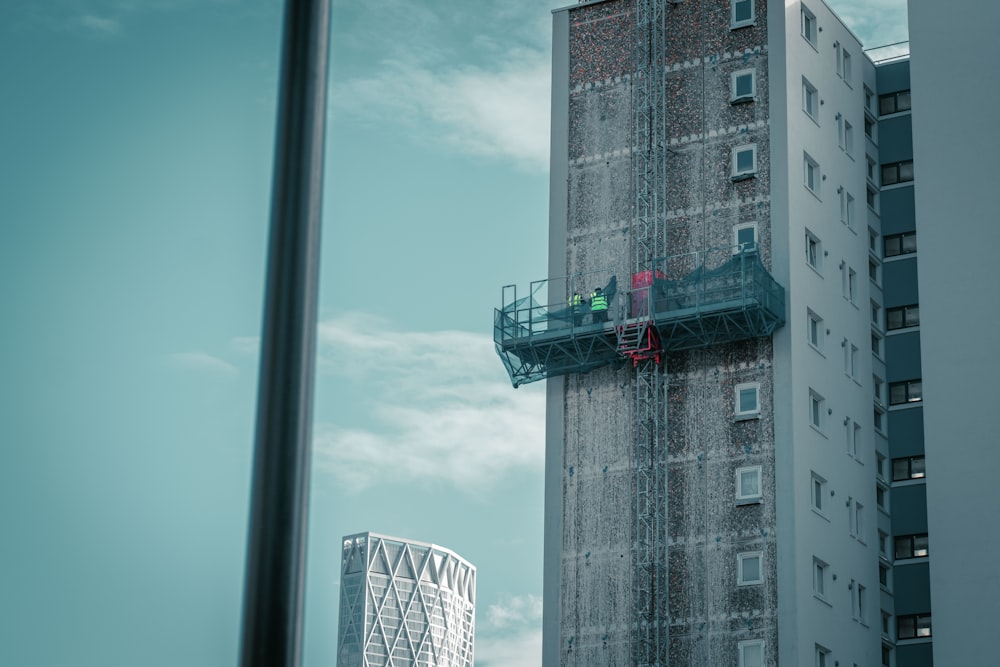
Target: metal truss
649, 186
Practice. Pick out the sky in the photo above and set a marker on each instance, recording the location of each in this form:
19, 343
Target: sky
135, 164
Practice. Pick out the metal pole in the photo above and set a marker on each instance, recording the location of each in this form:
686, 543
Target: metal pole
276, 537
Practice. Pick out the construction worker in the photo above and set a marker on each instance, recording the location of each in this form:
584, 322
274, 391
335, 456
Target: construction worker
576, 305
598, 306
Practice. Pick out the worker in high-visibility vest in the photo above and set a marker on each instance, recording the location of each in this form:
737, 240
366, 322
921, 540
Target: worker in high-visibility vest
576, 305
598, 306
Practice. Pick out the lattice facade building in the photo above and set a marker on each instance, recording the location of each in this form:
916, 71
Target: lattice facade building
404, 604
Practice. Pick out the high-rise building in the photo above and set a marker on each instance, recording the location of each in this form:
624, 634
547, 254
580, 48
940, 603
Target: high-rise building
733, 477
404, 604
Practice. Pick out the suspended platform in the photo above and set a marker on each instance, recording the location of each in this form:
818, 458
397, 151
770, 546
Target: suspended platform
540, 337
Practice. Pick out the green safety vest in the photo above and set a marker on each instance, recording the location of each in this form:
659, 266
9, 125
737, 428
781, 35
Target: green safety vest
598, 301
576, 300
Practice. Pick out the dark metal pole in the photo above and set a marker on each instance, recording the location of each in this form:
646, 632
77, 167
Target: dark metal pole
276, 540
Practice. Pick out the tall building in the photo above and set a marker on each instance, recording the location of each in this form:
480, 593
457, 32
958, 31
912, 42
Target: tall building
404, 604
735, 453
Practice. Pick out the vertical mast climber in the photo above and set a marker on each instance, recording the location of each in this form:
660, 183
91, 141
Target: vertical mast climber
648, 232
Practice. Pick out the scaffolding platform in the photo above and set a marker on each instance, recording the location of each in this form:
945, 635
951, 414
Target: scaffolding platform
737, 299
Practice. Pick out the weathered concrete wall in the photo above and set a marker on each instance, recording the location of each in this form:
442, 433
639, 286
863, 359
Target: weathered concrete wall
709, 613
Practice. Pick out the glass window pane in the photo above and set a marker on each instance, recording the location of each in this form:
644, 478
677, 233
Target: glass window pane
744, 85
753, 655
915, 391
751, 568
919, 545
744, 161
749, 483
906, 627
743, 10
905, 171
904, 547
748, 399
894, 319
912, 316
917, 467
909, 242
889, 174
897, 393
745, 235
887, 104
903, 101
817, 494
923, 626
900, 469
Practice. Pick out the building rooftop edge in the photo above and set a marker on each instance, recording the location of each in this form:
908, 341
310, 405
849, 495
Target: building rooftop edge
419, 543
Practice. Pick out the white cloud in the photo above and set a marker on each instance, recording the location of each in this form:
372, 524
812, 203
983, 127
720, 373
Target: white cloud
501, 112
515, 610
520, 650
441, 408
203, 361
99, 24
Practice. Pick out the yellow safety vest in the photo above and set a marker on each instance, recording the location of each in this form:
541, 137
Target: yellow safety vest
598, 301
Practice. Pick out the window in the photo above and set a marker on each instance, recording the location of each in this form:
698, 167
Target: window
823, 657
908, 391
817, 492
745, 237
872, 241
817, 409
743, 86
852, 284
809, 25
748, 483
869, 128
883, 545
886, 655
878, 419
747, 399
871, 198
811, 174
883, 581
859, 523
810, 99
914, 626
814, 254
860, 603
856, 442
873, 271
882, 497
846, 66
894, 102
876, 345
819, 577
869, 99
902, 317
848, 138
744, 161
910, 546
751, 653
870, 174
912, 467
749, 568
814, 330
897, 172
900, 244
743, 13
879, 383
880, 465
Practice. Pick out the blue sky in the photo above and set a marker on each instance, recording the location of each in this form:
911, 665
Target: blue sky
135, 165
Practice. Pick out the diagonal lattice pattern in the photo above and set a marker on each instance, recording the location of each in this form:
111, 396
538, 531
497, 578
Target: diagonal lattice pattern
404, 604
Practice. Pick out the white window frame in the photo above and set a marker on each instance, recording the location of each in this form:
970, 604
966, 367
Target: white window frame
848, 138
850, 211
819, 577
817, 410
734, 77
809, 26
822, 656
741, 648
814, 251
852, 285
817, 483
811, 174
810, 100
741, 580
847, 68
737, 246
734, 22
737, 409
735, 159
814, 325
741, 493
